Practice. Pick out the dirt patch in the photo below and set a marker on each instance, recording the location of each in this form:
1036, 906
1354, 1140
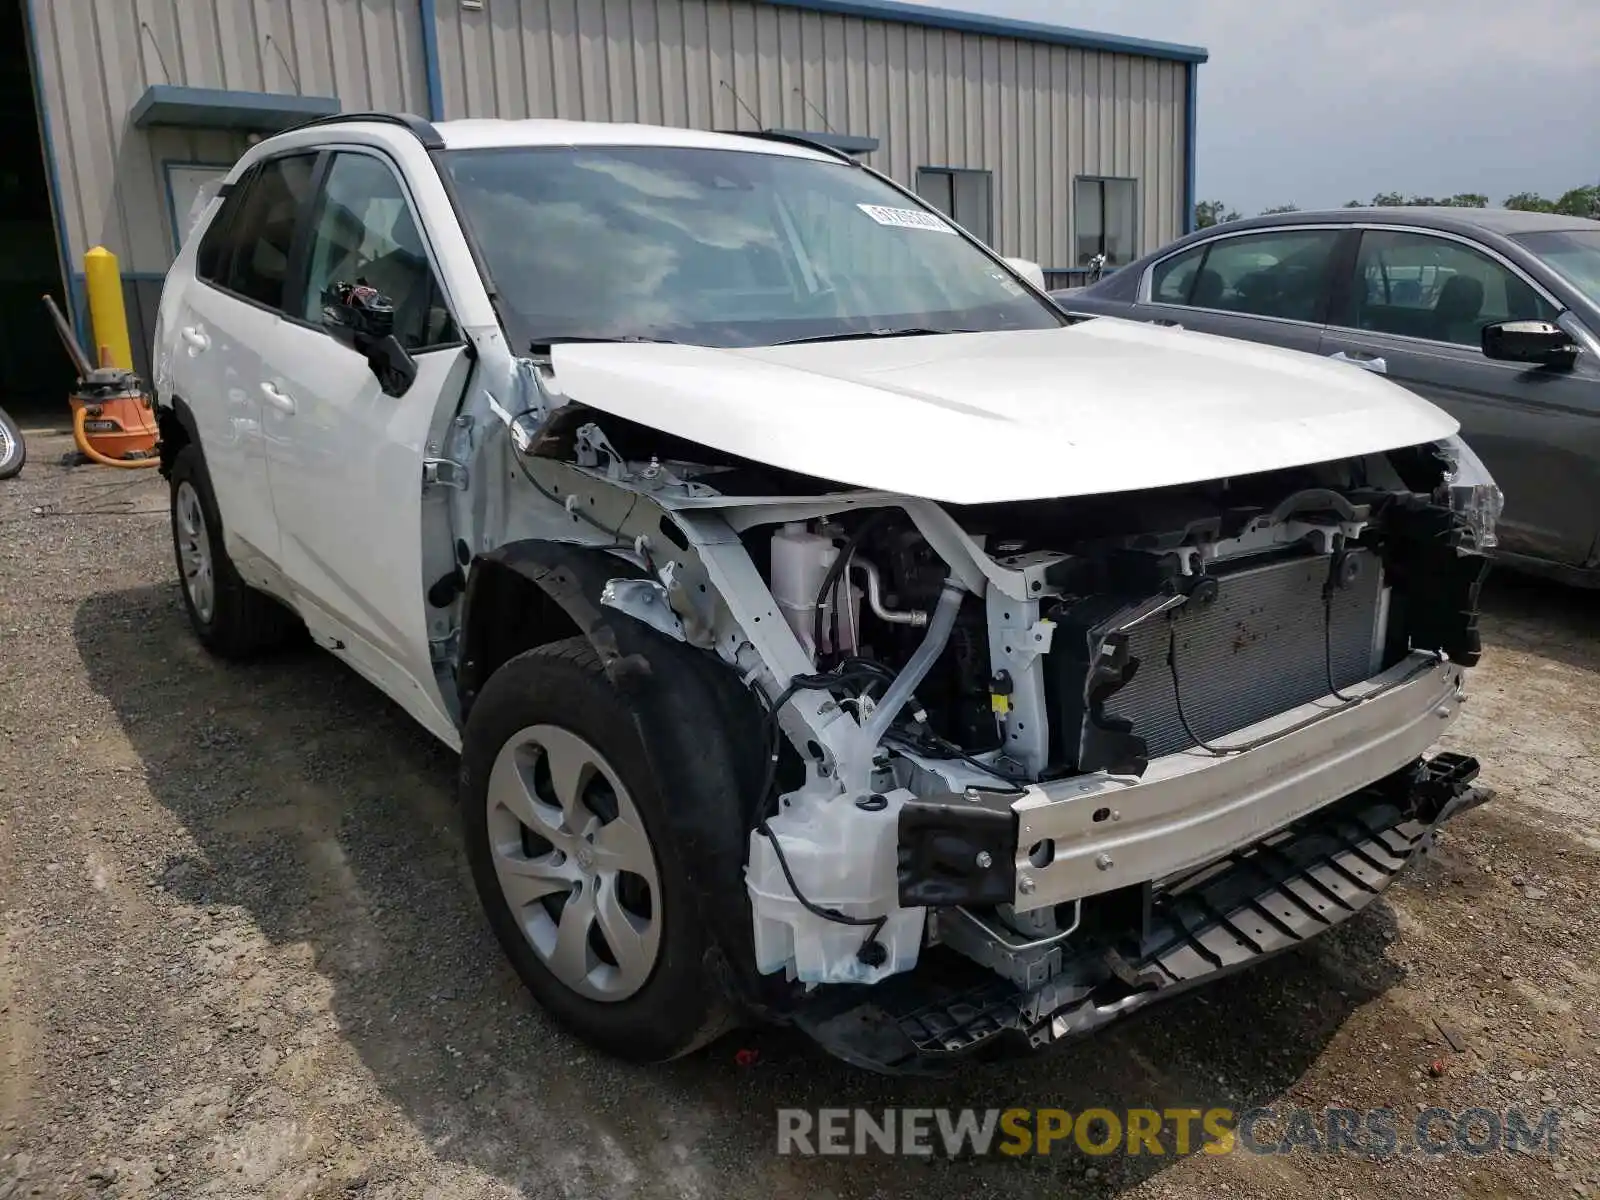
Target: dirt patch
240, 956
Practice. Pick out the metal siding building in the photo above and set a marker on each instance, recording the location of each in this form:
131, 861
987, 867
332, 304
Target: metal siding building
1011, 122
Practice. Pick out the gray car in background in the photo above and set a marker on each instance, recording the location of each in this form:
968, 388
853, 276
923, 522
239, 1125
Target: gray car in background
1493, 315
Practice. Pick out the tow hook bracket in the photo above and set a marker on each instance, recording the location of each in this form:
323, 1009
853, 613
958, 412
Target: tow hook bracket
1442, 787
958, 848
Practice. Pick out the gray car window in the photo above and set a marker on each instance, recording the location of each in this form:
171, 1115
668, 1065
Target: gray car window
1574, 254
1418, 285
1172, 278
1280, 273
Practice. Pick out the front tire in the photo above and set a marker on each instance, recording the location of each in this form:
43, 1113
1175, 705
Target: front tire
231, 619
13, 449
575, 860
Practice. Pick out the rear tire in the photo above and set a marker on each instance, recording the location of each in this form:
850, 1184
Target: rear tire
231, 619
13, 449
537, 872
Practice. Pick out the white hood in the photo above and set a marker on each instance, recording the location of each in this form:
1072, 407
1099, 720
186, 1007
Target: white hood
1104, 406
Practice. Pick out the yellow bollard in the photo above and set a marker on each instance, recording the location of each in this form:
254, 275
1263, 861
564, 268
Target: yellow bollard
103, 281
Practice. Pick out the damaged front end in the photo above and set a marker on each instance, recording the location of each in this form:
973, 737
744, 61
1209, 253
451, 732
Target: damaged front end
1124, 949
1026, 766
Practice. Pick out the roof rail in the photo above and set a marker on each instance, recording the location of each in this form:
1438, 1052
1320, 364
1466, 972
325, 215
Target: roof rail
791, 139
422, 130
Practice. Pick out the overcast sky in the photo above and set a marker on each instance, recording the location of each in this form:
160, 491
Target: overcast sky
1318, 103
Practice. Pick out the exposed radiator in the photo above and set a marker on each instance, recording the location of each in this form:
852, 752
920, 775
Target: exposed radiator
1256, 651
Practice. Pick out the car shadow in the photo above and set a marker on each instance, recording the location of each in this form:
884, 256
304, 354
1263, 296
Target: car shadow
1524, 612
322, 820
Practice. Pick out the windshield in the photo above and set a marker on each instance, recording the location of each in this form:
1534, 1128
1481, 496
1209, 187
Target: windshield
1573, 254
720, 248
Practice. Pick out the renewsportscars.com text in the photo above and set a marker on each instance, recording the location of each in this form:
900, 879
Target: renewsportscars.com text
1165, 1131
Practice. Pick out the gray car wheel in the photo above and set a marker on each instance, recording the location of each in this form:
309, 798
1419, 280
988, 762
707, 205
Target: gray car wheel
230, 618
577, 860
574, 862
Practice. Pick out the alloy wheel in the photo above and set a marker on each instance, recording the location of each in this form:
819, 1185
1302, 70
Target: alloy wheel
574, 862
194, 552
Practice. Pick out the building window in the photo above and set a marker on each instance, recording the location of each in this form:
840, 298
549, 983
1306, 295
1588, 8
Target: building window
965, 196
1107, 213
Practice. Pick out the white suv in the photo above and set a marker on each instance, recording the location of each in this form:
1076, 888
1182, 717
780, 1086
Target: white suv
813, 603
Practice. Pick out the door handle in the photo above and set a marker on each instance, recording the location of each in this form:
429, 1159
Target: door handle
1367, 362
281, 401
197, 339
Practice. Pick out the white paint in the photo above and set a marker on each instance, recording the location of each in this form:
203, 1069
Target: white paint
1029, 270
346, 472
320, 493
1105, 406
476, 133
213, 362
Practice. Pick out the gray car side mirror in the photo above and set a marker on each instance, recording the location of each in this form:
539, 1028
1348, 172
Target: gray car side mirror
1541, 343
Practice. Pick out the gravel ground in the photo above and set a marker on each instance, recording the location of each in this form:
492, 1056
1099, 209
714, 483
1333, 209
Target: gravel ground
240, 955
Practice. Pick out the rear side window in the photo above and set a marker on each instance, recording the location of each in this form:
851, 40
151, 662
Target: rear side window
1173, 277
248, 246
211, 259
1282, 273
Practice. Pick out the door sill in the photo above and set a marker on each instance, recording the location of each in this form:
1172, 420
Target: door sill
1564, 573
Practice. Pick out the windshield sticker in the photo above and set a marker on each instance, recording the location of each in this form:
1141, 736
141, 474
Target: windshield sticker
1008, 283
905, 218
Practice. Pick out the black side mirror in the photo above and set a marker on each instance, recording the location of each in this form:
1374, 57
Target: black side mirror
1540, 343
363, 317
352, 310
391, 363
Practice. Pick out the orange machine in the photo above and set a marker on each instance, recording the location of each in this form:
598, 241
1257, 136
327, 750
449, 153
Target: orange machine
112, 418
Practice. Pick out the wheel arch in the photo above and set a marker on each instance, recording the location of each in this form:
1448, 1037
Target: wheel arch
175, 429
532, 593
519, 597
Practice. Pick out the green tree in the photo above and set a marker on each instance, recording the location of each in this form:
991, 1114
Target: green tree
1212, 212
1401, 200
1580, 202
1529, 202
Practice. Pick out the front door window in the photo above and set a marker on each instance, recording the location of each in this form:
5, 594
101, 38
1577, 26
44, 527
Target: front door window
365, 234
1422, 286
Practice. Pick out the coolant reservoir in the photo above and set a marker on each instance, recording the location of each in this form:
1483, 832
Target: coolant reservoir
844, 858
800, 563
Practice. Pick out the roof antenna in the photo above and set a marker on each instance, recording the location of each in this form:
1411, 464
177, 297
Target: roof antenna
293, 78
740, 102
825, 123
